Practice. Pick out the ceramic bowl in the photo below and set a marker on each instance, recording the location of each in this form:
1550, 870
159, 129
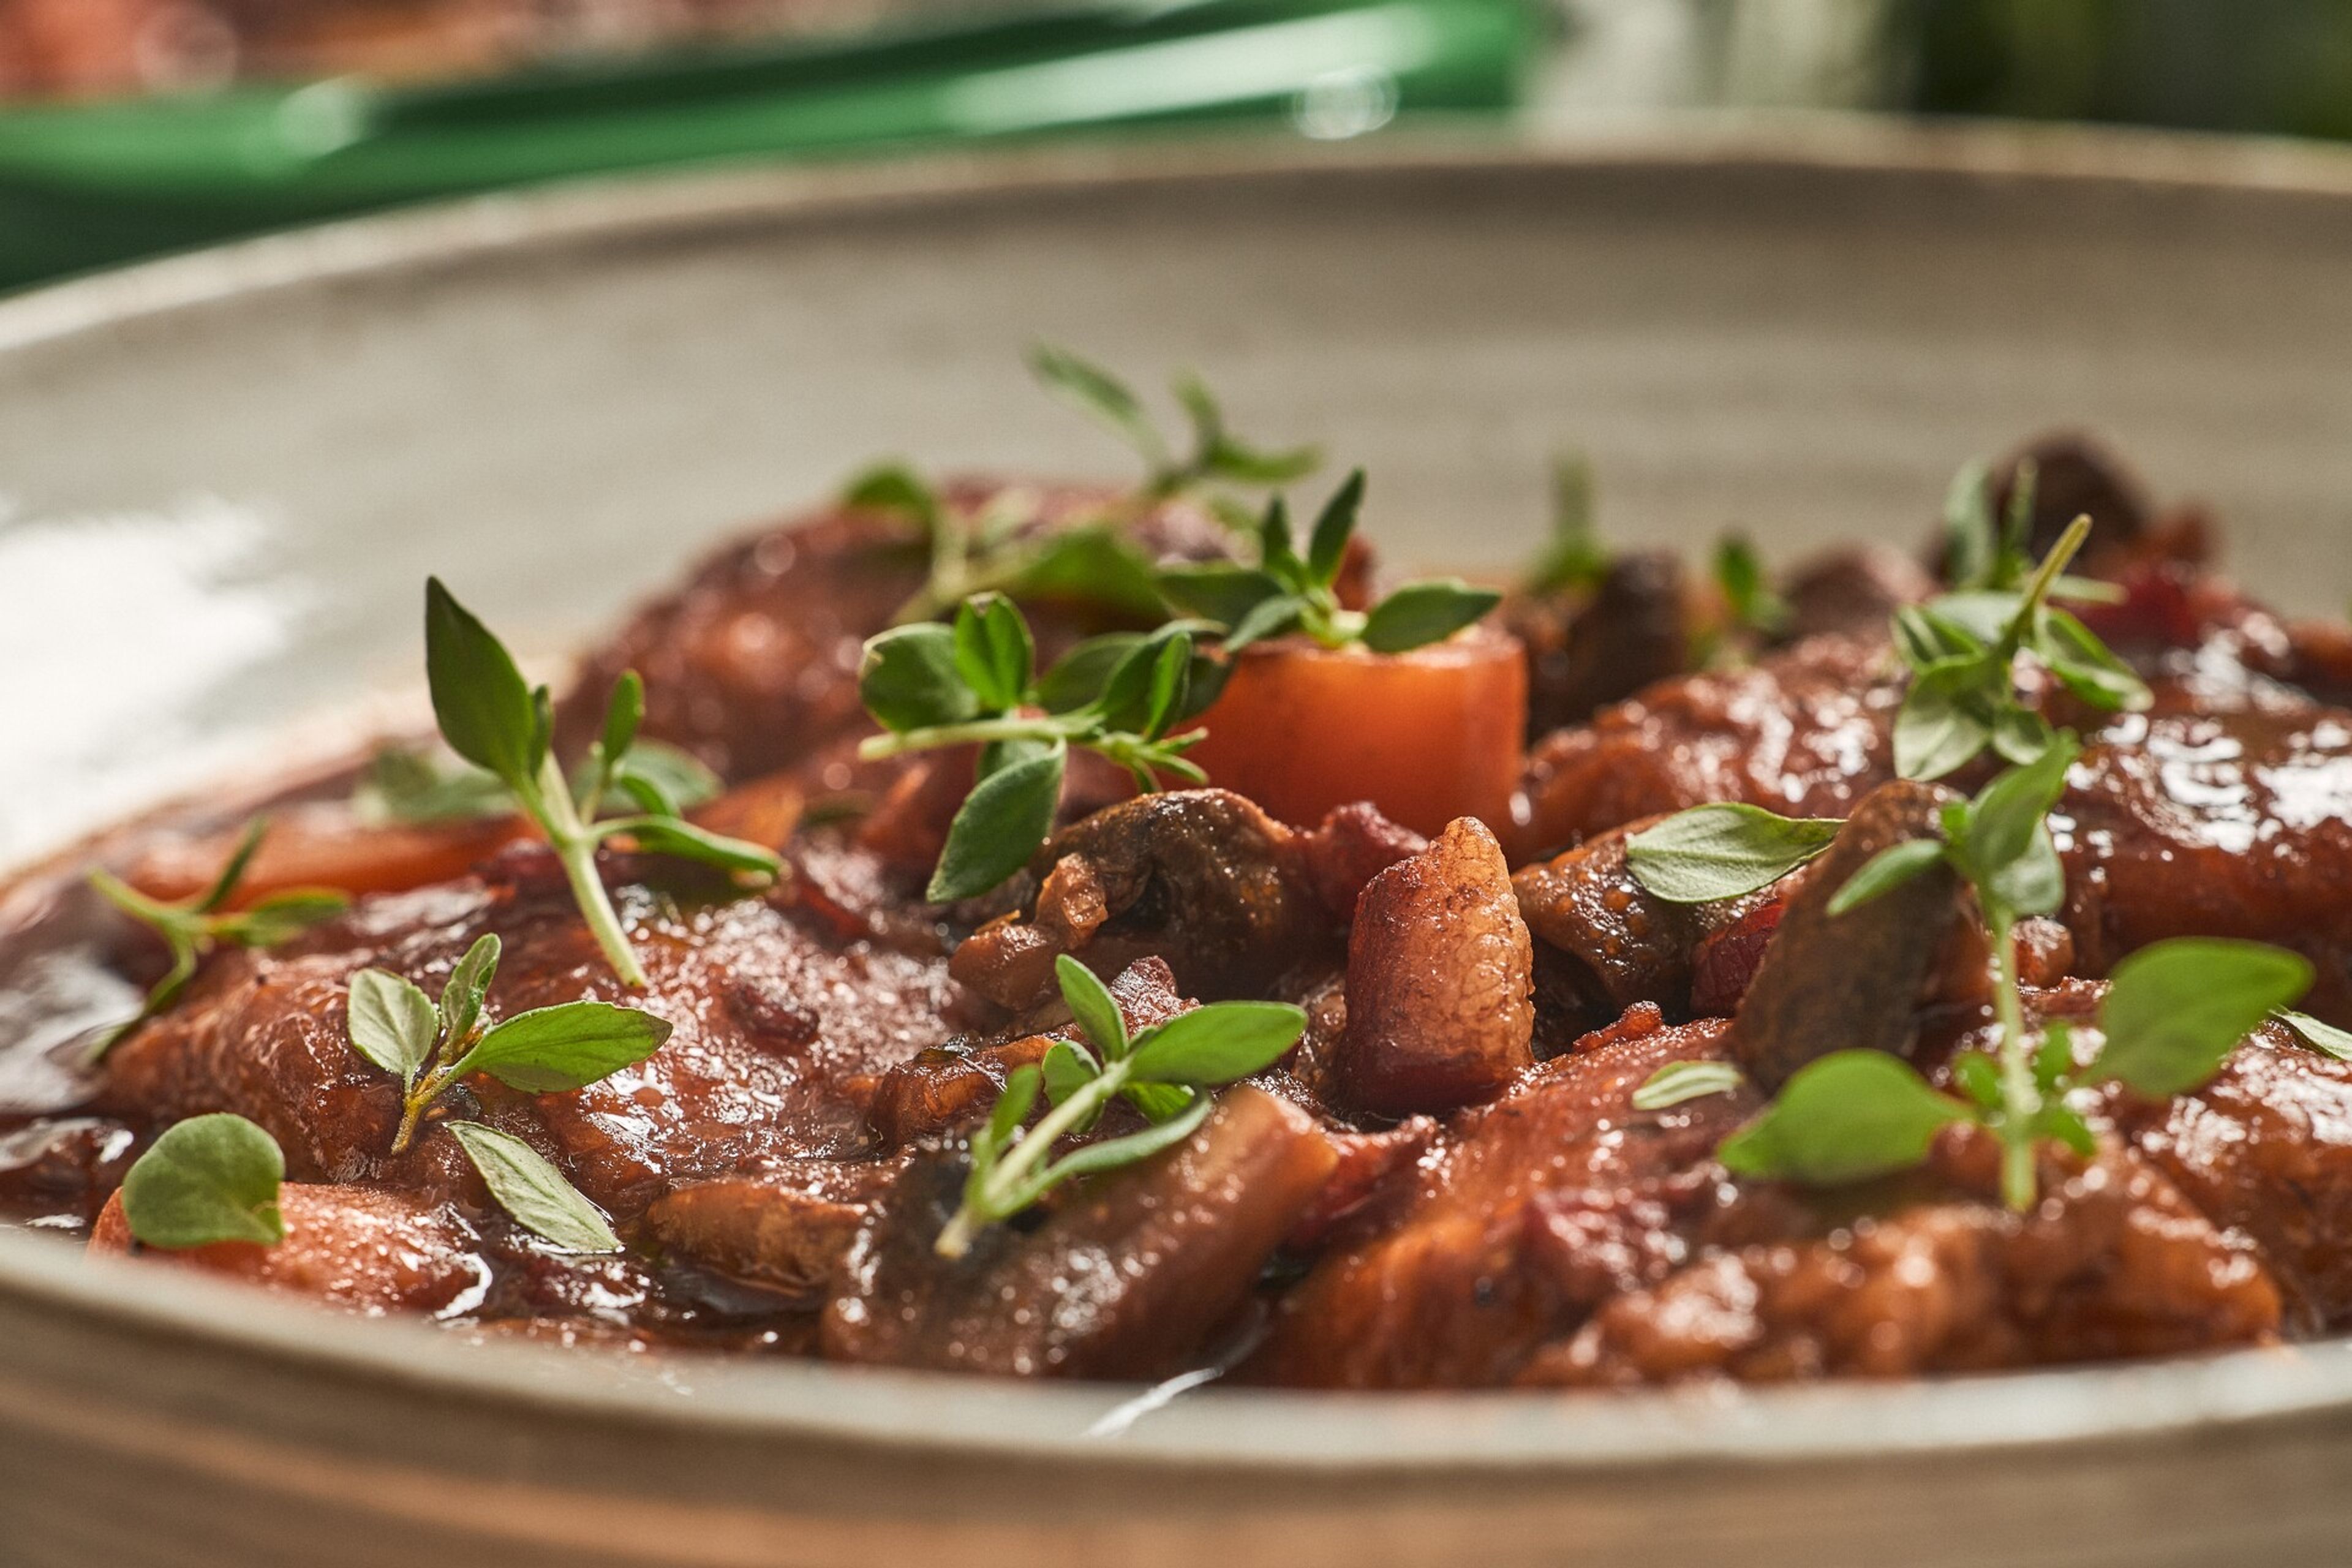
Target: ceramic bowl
228, 473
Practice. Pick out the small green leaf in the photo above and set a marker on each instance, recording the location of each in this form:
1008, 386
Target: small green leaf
1216, 1044
1573, 558
1067, 1069
534, 1192
232, 870
1723, 851
1092, 1005
392, 1024
1972, 545
675, 836
2022, 736
550, 1050
1127, 695
999, 827
1885, 872
1978, 1077
893, 487
2087, 667
1847, 1116
1326, 547
1170, 672
2175, 1009
2054, 1059
1078, 677
1276, 550
280, 916
624, 711
1014, 1105
676, 779
993, 652
2325, 1038
910, 680
208, 1179
2032, 884
486, 711
1158, 1101
2006, 819
1675, 1082
1224, 593
1113, 1153
2060, 1120
1269, 618
1941, 725
1739, 574
469, 982
1096, 392
1092, 565
1423, 612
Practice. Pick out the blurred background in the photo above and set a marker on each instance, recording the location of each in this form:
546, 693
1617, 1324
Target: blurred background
133, 126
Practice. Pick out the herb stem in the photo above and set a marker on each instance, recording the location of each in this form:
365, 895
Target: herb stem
1000, 1189
1008, 727
2021, 1099
575, 848
2044, 578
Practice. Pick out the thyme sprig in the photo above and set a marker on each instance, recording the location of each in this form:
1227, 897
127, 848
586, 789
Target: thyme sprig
192, 928
2171, 1015
1963, 649
1166, 1073
933, 685
490, 717
1291, 591
1217, 453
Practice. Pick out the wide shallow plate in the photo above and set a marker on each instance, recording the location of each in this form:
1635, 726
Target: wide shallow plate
228, 474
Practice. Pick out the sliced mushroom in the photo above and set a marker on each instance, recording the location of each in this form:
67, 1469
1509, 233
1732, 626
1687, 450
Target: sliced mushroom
758, 1232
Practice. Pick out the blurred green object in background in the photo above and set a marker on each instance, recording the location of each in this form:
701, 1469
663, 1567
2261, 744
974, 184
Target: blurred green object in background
83, 186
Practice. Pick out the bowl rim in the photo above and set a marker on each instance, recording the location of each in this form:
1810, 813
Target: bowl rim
1261, 1430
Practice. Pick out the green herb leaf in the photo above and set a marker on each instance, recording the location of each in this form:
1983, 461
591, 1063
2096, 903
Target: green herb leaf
1847, 1116
469, 982
1066, 1070
486, 711
1078, 678
1092, 565
1216, 1044
1269, 618
550, 1050
2175, 1010
232, 871
1421, 613
1675, 1082
2325, 1038
909, 678
1739, 574
1574, 558
1326, 547
392, 1024
1222, 594
1943, 721
1092, 1005
1972, 545
1096, 392
1112, 1154
2006, 850
654, 771
209, 1179
2087, 667
534, 1192
624, 710
1000, 825
1723, 851
676, 836
1885, 872
993, 651
894, 486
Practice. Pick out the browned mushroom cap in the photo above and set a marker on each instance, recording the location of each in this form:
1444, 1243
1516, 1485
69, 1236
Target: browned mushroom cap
2074, 476
1126, 1279
762, 1232
1853, 981
1440, 982
1634, 630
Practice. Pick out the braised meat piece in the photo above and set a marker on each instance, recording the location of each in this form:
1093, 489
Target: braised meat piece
775, 1029
752, 664
1439, 1283
362, 1249
1804, 733
1230, 898
1439, 982
1126, 1279
1852, 592
2114, 1262
1588, 651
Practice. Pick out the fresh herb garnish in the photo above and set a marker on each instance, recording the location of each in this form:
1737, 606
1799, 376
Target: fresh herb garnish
533, 1191
1846, 1116
932, 686
411, 786
1573, 559
2325, 1038
193, 927
1746, 591
209, 1179
431, 1046
493, 720
1166, 1073
1287, 591
1723, 851
1217, 453
1962, 650
1678, 1081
